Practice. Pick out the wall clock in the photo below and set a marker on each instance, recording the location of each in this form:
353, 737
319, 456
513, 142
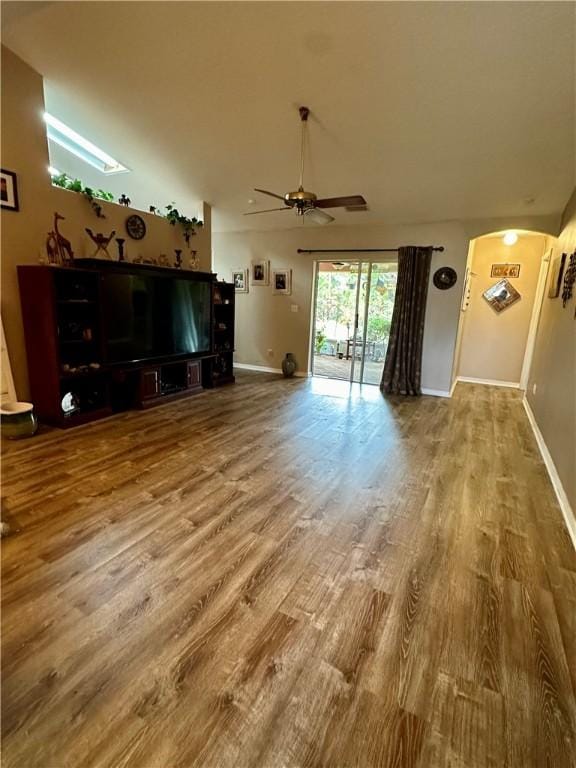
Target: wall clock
444, 278
136, 227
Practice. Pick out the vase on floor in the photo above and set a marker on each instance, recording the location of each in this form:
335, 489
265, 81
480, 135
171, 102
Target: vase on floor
288, 365
18, 420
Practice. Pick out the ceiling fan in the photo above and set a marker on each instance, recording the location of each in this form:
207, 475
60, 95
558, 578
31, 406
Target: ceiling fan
306, 203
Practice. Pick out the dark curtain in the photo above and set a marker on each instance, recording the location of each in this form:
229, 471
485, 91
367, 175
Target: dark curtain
403, 365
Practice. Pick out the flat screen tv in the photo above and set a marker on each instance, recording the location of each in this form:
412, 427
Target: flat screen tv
152, 316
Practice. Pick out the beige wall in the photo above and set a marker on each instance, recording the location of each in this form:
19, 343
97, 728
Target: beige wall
553, 371
23, 235
265, 321
24, 151
493, 344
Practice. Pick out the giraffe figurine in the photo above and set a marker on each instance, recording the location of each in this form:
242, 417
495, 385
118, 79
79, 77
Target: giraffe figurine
52, 249
63, 245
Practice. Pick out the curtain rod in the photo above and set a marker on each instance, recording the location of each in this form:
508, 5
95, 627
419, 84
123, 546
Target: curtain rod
361, 250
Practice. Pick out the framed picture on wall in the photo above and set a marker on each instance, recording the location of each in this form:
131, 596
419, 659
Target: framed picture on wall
556, 275
505, 270
8, 190
240, 280
501, 295
260, 272
282, 281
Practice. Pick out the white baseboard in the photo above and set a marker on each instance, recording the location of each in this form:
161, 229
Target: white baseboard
436, 392
490, 382
453, 387
266, 369
567, 510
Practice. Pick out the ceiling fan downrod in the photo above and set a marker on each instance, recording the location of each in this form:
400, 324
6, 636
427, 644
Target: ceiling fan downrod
304, 112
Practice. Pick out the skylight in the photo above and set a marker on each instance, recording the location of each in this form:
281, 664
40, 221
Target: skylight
66, 137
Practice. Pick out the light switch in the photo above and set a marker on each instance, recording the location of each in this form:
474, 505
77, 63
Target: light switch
294, 307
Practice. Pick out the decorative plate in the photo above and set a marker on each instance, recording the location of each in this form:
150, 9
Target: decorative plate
136, 227
444, 278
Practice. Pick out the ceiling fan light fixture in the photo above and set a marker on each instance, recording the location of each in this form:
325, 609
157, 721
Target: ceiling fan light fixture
317, 216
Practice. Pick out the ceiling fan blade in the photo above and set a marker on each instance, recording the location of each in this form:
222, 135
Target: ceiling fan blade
268, 210
318, 217
340, 202
272, 194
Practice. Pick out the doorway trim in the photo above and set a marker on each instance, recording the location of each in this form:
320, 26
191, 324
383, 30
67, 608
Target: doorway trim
535, 318
532, 328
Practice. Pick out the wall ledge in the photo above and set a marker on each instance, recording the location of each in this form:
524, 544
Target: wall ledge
567, 511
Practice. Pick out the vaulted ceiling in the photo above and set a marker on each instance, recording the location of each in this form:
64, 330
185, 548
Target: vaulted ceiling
432, 111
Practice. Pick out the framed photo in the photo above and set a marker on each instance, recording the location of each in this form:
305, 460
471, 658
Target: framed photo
260, 273
556, 275
240, 280
8, 190
282, 281
501, 295
505, 270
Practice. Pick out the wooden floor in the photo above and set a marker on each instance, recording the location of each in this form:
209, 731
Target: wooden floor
289, 573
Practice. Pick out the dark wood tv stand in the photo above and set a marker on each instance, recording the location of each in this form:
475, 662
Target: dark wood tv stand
161, 382
65, 330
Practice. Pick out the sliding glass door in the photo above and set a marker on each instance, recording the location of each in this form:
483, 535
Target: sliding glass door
353, 305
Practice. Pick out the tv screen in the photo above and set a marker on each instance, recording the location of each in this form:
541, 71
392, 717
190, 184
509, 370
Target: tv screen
151, 316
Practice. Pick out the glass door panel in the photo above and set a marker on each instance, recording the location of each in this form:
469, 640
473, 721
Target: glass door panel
353, 305
381, 292
363, 294
335, 319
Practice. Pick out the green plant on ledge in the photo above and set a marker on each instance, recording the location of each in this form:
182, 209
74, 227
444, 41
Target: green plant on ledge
92, 195
188, 225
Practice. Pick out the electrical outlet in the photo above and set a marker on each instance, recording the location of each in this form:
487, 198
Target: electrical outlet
534, 388
270, 353
294, 307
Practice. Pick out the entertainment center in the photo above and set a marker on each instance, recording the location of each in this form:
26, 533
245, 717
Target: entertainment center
105, 337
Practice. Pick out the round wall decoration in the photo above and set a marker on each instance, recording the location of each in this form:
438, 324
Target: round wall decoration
444, 278
136, 227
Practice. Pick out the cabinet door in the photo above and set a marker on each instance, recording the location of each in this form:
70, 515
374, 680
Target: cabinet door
150, 383
193, 378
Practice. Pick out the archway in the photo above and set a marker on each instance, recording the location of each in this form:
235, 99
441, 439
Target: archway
502, 299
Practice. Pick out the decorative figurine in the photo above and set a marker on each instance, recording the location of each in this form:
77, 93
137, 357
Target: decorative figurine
178, 263
194, 262
102, 242
152, 209
123, 200
120, 242
58, 247
163, 260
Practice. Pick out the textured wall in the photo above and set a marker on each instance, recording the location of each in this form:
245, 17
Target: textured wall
553, 370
